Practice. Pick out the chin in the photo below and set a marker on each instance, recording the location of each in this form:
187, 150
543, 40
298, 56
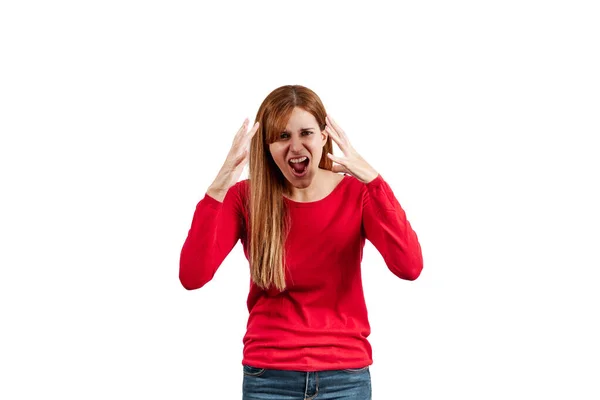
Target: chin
300, 181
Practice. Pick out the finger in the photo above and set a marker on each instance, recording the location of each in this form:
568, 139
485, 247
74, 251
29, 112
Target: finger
333, 133
244, 125
248, 138
336, 131
339, 169
241, 158
241, 131
250, 135
339, 160
253, 130
336, 137
337, 128
334, 124
341, 164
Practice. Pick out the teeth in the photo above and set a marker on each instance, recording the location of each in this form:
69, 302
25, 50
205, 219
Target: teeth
297, 160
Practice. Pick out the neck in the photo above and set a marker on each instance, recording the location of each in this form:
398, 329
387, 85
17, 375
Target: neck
313, 191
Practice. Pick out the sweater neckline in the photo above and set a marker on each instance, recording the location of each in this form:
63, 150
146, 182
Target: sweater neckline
337, 187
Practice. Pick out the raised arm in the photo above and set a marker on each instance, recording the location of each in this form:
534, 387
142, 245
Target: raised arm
383, 220
216, 228
385, 225
218, 218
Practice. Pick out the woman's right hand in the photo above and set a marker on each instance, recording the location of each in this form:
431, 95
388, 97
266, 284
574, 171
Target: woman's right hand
234, 163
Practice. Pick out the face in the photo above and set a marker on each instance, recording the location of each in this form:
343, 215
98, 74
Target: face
301, 138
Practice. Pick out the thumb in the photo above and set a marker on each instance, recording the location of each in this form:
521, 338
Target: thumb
241, 158
339, 168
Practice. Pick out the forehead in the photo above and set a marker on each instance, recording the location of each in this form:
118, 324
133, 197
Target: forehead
300, 119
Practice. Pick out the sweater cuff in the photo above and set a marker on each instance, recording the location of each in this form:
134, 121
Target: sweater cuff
381, 194
211, 202
378, 181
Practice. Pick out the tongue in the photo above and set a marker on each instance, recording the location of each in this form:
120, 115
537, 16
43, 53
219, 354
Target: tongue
298, 167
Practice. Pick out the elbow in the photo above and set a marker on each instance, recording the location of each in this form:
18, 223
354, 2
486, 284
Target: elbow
190, 278
409, 270
416, 266
413, 274
409, 275
188, 284
191, 283
186, 280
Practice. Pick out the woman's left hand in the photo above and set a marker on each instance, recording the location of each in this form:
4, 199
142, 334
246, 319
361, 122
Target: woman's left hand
352, 163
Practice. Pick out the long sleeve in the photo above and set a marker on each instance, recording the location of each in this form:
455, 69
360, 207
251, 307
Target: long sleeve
215, 229
385, 225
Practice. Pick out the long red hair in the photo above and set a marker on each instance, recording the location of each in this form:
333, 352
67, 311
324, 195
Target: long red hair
267, 213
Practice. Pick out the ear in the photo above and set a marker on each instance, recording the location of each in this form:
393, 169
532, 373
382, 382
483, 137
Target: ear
324, 136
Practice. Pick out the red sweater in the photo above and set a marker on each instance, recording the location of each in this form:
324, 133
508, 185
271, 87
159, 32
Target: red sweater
320, 321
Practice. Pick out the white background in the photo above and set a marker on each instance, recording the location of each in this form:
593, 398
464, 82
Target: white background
117, 115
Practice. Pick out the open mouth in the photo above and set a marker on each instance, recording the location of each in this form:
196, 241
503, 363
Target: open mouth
299, 166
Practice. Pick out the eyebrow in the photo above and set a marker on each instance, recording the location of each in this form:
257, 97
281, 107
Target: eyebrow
301, 130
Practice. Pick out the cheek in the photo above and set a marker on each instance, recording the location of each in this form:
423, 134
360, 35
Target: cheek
317, 147
277, 154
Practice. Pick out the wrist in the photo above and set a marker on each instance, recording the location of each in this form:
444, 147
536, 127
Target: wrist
371, 177
216, 193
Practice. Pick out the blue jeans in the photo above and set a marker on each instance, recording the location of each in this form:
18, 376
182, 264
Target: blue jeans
275, 384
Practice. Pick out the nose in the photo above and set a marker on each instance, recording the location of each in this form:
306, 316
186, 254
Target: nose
295, 144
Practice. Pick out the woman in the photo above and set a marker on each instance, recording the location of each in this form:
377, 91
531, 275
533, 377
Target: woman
303, 226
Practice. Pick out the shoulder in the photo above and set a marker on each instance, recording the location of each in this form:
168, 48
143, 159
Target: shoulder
350, 187
364, 189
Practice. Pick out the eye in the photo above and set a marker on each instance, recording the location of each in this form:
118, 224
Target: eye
285, 135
